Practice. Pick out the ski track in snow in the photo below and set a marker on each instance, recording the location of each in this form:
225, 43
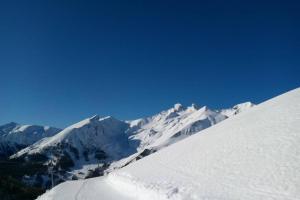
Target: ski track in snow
90, 189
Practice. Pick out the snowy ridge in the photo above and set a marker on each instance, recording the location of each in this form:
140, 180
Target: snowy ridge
151, 134
25, 134
92, 132
14, 136
253, 156
81, 150
92, 141
172, 125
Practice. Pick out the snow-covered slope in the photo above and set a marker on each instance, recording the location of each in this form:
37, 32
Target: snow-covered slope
14, 136
254, 155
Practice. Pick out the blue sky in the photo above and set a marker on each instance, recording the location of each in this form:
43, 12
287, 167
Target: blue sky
62, 61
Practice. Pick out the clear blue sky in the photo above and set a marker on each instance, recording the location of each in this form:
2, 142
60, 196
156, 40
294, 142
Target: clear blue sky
62, 61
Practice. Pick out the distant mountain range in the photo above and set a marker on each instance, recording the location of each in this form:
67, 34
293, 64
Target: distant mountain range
14, 137
98, 145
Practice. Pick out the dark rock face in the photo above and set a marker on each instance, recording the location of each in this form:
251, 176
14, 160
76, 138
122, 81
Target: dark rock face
145, 153
100, 155
99, 171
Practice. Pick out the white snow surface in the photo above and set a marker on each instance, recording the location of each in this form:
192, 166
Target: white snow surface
251, 156
90, 189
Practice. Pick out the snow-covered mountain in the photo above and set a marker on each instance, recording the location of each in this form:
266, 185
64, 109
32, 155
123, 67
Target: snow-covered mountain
171, 125
153, 133
254, 155
14, 136
93, 134
94, 141
95, 145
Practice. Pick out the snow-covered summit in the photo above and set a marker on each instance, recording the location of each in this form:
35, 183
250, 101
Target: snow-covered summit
6, 128
89, 144
14, 136
178, 107
25, 134
92, 133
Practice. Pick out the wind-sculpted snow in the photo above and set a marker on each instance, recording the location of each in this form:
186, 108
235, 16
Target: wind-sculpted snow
252, 156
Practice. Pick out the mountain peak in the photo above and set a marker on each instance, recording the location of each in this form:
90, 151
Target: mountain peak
8, 127
247, 104
178, 107
10, 124
241, 107
204, 108
193, 107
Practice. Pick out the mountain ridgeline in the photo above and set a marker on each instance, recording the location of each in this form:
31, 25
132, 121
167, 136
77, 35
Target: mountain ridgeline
99, 145
14, 137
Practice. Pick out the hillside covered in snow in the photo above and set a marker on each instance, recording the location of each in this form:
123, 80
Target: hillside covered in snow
251, 156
